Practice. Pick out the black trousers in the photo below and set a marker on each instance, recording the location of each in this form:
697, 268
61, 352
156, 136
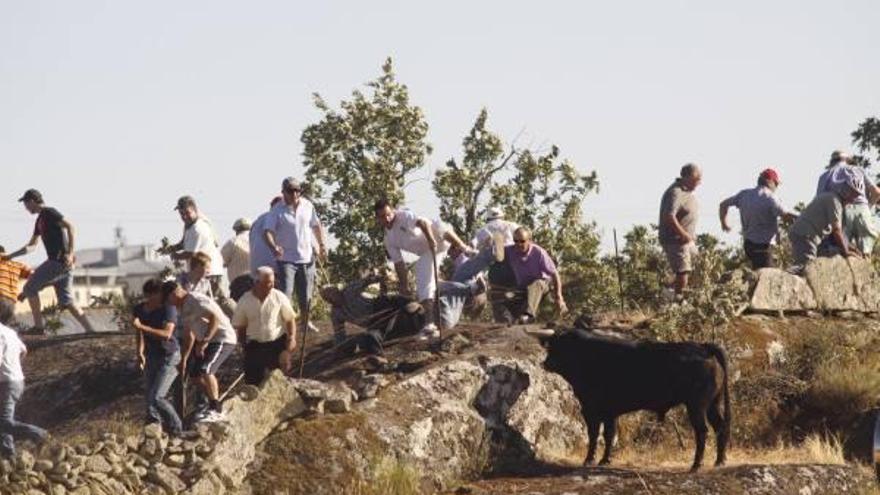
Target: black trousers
760, 255
262, 357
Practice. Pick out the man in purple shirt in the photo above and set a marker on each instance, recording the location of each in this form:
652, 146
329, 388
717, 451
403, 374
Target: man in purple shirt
533, 270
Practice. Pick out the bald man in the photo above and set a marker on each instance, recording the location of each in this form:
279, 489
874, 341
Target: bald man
679, 212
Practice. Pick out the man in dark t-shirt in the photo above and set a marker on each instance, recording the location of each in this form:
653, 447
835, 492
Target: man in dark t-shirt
57, 234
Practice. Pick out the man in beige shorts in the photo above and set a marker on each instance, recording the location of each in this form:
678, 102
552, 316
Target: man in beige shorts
679, 212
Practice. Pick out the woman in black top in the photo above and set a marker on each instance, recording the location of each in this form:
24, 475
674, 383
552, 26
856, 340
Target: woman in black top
158, 354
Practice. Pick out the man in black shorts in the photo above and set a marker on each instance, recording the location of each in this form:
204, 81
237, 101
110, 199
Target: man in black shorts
208, 337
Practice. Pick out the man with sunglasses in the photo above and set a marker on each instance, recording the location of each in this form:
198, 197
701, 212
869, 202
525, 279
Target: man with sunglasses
533, 269
290, 231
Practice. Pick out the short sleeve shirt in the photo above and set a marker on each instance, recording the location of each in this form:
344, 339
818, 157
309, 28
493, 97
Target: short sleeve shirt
759, 213
683, 205
11, 348
293, 230
263, 320
405, 235
51, 231
534, 265
499, 226
158, 319
192, 314
200, 237
236, 256
818, 217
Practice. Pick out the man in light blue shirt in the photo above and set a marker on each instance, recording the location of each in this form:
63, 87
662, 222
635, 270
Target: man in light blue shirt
290, 230
759, 213
859, 225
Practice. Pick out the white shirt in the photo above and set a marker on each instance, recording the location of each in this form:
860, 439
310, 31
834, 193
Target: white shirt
200, 237
483, 238
237, 256
293, 230
405, 235
263, 320
192, 312
11, 348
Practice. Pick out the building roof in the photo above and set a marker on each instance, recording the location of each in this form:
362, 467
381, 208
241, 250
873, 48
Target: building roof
121, 261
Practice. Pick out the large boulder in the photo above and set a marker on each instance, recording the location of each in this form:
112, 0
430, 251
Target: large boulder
489, 408
844, 284
778, 290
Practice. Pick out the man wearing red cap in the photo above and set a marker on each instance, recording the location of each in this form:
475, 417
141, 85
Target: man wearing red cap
759, 212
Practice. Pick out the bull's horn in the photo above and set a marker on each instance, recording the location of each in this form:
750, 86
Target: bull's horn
544, 332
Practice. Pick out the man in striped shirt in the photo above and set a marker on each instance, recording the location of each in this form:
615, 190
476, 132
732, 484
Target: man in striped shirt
11, 274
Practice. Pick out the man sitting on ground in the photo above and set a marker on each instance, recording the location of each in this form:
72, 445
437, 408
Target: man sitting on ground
533, 270
266, 324
209, 338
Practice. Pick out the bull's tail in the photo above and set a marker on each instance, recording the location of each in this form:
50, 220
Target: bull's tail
718, 353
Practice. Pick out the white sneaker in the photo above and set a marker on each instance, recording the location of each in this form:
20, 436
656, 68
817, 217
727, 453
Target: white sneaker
213, 417
429, 331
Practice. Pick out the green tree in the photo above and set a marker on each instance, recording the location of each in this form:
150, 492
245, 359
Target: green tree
361, 152
462, 188
867, 139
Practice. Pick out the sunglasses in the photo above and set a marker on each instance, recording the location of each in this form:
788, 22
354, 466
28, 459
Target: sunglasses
292, 191
519, 241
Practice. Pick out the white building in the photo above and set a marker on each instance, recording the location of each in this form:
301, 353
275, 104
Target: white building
100, 272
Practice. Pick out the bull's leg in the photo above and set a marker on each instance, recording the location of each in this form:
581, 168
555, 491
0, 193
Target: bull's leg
721, 431
593, 436
697, 415
608, 432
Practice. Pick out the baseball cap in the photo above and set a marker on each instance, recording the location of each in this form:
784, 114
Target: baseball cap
33, 195
241, 224
185, 201
770, 174
291, 183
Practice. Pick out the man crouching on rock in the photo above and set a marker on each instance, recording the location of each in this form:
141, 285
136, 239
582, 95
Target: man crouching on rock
209, 335
266, 324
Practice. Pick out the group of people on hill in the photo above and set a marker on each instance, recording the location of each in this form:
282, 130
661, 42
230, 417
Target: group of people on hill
838, 220
241, 293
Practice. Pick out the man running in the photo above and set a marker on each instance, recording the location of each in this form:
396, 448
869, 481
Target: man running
58, 235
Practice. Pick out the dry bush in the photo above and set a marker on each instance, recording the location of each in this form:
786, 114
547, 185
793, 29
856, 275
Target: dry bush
844, 391
824, 449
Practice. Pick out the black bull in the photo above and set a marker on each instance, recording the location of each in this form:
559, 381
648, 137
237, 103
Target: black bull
612, 376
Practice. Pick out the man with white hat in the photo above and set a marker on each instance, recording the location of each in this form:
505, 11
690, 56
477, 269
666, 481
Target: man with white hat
236, 256
490, 242
859, 225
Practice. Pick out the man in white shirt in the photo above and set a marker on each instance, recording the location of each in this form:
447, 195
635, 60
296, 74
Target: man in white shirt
237, 256
266, 324
208, 337
289, 231
490, 242
11, 387
199, 236
406, 232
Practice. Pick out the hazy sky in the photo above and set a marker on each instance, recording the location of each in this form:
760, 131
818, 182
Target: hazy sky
113, 109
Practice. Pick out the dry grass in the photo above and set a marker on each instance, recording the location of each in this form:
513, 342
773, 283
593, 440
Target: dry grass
815, 449
391, 478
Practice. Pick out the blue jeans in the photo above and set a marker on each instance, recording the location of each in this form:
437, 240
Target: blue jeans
469, 270
299, 278
55, 273
10, 394
159, 373
453, 296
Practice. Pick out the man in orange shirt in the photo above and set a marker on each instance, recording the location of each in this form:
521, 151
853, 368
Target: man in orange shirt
11, 274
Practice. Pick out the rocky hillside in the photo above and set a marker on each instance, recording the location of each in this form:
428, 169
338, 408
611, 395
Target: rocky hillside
475, 413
